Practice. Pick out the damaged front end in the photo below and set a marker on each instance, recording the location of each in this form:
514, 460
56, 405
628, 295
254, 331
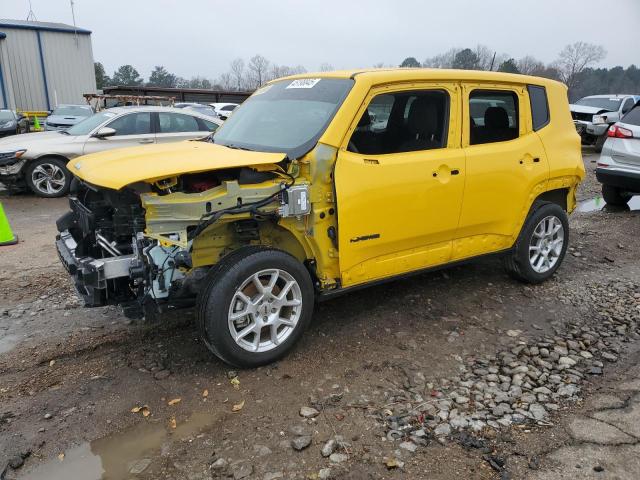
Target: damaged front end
134, 246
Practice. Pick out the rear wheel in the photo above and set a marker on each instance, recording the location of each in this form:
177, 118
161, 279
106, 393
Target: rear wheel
541, 246
615, 196
255, 307
48, 177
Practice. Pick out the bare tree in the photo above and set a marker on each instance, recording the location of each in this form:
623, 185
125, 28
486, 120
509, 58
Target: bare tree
443, 60
485, 57
326, 67
225, 81
529, 65
575, 58
278, 71
258, 69
237, 73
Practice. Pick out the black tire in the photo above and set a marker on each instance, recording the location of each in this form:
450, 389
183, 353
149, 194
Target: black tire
51, 164
615, 196
517, 262
221, 284
599, 143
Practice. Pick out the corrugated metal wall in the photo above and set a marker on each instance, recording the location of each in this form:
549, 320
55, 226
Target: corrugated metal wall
21, 69
69, 68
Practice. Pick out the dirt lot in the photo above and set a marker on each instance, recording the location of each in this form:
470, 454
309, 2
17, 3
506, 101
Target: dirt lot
88, 394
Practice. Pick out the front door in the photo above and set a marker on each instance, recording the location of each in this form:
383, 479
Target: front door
506, 168
132, 129
399, 183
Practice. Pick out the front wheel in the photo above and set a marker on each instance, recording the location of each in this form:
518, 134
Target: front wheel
48, 177
255, 306
541, 246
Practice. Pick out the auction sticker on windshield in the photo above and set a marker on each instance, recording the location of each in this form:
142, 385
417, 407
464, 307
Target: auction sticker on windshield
303, 83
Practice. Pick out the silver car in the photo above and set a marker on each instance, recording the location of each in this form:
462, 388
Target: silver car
65, 116
618, 169
38, 160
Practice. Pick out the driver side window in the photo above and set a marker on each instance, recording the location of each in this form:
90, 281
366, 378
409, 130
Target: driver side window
406, 121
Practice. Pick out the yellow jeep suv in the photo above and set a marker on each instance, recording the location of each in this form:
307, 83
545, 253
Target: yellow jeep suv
319, 184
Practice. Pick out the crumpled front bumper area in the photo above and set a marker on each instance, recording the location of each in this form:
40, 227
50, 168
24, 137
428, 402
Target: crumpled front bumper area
92, 276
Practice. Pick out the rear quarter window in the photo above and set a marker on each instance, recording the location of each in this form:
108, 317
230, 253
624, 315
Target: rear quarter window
539, 106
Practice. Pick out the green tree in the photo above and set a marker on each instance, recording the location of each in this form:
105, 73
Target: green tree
466, 60
410, 62
509, 66
160, 77
126, 75
102, 79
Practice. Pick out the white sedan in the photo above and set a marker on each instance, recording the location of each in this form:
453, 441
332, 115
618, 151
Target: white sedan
38, 160
224, 110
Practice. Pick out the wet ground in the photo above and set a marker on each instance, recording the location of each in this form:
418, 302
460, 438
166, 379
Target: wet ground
87, 394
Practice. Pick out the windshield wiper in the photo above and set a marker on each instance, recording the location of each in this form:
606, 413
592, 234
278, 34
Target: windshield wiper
64, 132
237, 147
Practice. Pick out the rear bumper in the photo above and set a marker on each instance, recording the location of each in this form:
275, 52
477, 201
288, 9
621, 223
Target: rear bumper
628, 181
90, 275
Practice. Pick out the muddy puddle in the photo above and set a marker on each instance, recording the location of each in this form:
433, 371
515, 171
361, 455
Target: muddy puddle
122, 455
598, 203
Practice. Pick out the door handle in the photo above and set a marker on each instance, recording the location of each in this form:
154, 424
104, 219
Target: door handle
146, 140
536, 160
455, 171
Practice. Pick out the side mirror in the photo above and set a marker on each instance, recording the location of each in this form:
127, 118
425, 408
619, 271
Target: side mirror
105, 132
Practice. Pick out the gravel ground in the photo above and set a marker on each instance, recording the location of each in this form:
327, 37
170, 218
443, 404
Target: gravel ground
462, 373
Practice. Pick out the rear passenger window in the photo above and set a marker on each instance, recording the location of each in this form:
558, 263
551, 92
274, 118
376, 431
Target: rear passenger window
494, 116
402, 122
539, 106
177, 122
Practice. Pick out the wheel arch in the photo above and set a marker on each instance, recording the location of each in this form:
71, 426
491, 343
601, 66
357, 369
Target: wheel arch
559, 196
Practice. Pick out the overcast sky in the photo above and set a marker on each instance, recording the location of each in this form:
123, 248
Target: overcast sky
201, 37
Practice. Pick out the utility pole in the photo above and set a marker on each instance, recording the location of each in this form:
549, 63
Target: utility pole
73, 15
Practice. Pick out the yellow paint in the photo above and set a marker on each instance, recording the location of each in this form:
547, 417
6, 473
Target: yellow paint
120, 167
389, 213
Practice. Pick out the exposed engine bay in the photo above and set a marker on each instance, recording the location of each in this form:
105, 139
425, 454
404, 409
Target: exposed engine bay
134, 246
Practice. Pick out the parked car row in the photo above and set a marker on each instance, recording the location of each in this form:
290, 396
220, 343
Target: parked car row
593, 115
38, 160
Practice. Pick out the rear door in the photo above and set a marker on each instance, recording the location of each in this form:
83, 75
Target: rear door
507, 167
132, 129
173, 127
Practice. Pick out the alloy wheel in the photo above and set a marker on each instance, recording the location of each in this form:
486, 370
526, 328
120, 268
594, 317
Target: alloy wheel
48, 178
545, 246
265, 310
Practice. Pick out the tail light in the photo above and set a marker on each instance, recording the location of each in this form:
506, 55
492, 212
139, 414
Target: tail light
619, 132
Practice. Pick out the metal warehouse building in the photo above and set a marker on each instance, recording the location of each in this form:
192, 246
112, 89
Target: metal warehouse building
43, 64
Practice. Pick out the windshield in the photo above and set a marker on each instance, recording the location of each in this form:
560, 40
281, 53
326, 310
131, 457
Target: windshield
610, 104
6, 115
86, 126
72, 110
287, 116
